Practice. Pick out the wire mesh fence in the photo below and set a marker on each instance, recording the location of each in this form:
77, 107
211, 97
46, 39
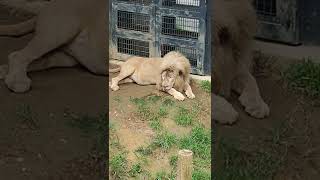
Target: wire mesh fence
266, 7
152, 28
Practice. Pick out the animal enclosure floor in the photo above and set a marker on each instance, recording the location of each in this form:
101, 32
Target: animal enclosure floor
36, 140
285, 145
134, 125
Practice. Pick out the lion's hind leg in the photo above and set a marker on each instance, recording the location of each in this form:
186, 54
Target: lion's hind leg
122, 76
126, 80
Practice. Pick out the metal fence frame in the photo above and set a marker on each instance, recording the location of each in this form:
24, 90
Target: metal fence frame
156, 10
280, 24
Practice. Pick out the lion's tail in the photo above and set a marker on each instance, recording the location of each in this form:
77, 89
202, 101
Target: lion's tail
25, 5
18, 29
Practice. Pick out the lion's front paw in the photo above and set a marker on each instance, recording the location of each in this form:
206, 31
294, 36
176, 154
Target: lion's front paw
256, 108
18, 84
190, 95
179, 97
229, 117
3, 71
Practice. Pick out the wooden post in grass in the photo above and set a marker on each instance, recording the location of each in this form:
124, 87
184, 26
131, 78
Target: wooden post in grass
184, 165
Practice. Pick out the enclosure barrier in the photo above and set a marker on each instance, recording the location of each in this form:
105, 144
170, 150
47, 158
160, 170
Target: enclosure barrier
152, 28
184, 171
277, 20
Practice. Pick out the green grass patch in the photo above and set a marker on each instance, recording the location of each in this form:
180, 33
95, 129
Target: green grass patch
155, 124
117, 99
154, 99
205, 86
135, 170
165, 140
168, 102
145, 151
201, 175
173, 161
163, 111
162, 175
143, 108
233, 163
118, 166
96, 126
27, 116
199, 141
304, 77
183, 117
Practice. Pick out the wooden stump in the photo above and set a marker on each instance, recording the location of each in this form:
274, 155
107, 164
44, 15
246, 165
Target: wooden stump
184, 165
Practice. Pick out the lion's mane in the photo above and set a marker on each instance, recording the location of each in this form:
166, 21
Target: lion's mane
180, 65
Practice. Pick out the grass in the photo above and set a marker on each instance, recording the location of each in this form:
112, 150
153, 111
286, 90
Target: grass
201, 175
155, 124
118, 165
165, 140
117, 99
27, 116
173, 161
183, 117
199, 141
145, 151
95, 126
135, 170
162, 175
206, 86
233, 163
143, 108
304, 77
163, 111
168, 102
154, 110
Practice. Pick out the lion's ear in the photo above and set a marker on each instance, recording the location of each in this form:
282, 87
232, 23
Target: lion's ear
163, 74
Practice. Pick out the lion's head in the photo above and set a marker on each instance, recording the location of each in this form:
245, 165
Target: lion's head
175, 71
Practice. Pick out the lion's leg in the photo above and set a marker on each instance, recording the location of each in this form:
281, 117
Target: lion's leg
90, 47
246, 85
124, 81
45, 40
124, 73
188, 91
52, 60
222, 110
176, 94
55, 59
224, 69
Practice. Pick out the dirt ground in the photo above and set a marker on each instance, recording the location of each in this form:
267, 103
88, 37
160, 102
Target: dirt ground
290, 135
46, 147
134, 132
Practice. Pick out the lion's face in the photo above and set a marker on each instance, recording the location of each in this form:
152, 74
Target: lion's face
168, 79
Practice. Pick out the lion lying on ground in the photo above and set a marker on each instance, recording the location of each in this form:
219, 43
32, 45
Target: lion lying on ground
234, 26
67, 32
171, 74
